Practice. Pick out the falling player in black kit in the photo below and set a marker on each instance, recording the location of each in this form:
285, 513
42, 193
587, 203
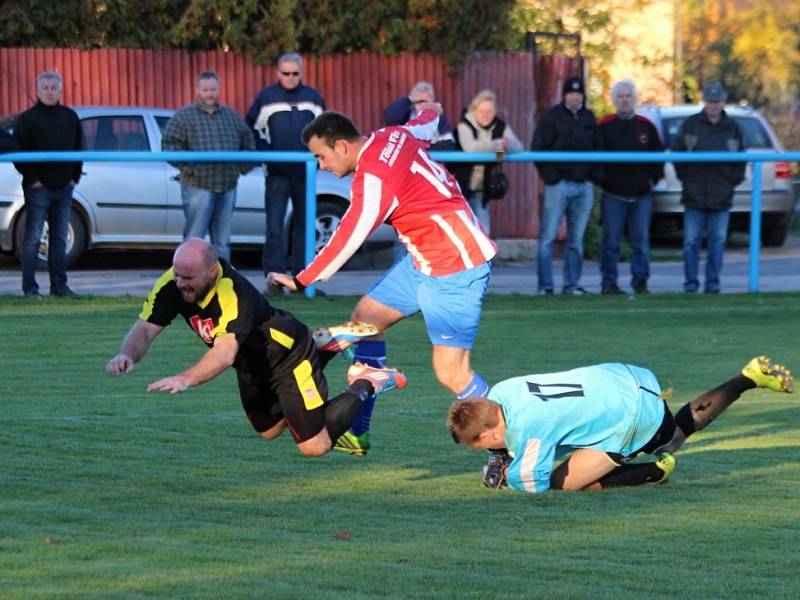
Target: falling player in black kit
277, 363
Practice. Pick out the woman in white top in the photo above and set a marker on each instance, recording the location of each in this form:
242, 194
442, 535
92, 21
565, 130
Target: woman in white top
480, 130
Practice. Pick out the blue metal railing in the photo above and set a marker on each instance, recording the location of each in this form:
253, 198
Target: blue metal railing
757, 158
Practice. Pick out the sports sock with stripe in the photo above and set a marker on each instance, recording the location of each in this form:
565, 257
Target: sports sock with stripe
372, 353
476, 388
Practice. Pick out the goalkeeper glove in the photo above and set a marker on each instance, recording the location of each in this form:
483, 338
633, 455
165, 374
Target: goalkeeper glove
494, 475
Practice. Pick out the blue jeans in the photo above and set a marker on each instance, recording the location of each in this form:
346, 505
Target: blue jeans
616, 215
575, 199
209, 212
41, 202
279, 190
696, 222
475, 201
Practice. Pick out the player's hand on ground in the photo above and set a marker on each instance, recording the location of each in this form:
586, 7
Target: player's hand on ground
283, 279
495, 473
121, 363
173, 385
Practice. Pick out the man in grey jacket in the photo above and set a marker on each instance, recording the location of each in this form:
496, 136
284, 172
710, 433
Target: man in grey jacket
707, 187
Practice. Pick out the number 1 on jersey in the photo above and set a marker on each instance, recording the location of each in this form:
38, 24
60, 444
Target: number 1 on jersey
568, 390
433, 173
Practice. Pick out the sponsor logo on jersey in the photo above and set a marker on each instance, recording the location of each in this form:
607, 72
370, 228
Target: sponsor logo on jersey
392, 148
203, 328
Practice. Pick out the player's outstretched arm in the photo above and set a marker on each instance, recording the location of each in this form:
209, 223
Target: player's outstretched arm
134, 347
283, 279
213, 362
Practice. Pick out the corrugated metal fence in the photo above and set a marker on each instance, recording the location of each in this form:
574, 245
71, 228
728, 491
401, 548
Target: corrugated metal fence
360, 85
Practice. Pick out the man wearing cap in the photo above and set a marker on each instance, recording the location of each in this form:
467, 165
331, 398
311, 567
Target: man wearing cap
708, 188
567, 126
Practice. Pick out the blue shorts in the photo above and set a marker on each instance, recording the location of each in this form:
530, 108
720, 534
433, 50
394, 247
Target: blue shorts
450, 305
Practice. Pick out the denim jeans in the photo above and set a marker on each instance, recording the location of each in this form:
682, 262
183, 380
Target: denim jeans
279, 190
41, 202
616, 215
475, 201
575, 199
696, 222
209, 212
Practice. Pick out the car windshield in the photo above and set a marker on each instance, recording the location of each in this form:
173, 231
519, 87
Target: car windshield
754, 133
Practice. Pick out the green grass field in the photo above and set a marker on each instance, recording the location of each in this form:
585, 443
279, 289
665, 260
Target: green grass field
108, 491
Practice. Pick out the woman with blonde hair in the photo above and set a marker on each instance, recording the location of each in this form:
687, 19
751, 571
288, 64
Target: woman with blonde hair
481, 130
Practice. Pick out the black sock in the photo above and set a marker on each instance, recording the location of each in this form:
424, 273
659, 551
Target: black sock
636, 474
707, 407
342, 410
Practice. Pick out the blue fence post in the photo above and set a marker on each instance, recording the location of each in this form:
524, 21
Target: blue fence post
311, 216
755, 228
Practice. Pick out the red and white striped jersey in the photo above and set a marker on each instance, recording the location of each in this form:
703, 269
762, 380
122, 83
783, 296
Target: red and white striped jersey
397, 182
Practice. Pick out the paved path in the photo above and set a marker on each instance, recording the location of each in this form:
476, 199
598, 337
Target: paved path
779, 271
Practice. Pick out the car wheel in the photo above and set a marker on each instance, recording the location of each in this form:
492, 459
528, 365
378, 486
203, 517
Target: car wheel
329, 214
76, 239
774, 230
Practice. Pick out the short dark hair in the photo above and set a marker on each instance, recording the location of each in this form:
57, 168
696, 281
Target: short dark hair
207, 75
330, 127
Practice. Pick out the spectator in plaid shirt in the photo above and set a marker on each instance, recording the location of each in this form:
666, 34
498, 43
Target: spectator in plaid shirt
208, 190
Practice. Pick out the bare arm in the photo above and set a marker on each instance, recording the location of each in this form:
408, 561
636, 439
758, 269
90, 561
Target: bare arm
283, 279
213, 362
134, 347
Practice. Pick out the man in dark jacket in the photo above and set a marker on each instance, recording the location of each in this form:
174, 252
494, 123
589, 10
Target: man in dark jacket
626, 200
278, 114
47, 187
707, 187
568, 126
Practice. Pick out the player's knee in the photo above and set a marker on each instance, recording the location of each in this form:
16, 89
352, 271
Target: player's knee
274, 431
319, 445
313, 450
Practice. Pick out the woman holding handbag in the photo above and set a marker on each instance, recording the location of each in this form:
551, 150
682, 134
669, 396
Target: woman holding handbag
480, 130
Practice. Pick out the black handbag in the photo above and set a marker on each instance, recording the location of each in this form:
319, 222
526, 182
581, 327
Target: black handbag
495, 182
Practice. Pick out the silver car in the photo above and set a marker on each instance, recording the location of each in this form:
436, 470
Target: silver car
777, 198
138, 204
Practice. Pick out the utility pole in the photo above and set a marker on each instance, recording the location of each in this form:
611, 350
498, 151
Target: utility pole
677, 68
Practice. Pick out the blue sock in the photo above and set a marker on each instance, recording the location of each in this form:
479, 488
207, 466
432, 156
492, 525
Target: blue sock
374, 355
477, 388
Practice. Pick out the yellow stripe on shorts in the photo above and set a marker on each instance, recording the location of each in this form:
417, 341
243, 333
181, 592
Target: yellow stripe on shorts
280, 337
304, 375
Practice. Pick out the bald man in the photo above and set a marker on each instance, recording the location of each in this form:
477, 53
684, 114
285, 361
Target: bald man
278, 366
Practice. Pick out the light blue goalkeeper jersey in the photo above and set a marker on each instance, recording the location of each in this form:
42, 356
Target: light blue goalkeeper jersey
611, 407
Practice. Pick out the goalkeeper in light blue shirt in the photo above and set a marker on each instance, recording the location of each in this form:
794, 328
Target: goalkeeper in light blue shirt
601, 416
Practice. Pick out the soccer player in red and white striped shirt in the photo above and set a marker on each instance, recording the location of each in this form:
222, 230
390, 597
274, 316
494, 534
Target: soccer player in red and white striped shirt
447, 269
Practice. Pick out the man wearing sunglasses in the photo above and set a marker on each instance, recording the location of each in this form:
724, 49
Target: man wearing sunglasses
278, 114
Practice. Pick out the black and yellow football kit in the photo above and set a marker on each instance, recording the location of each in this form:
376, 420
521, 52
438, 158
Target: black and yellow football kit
278, 369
